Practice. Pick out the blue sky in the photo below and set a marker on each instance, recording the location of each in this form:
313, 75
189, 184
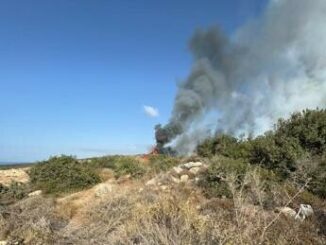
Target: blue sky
75, 75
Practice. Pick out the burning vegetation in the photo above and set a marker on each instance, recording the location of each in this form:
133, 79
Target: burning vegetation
241, 84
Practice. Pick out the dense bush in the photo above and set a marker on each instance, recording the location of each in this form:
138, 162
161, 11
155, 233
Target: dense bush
62, 174
314, 170
308, 127
224, 145
15, 191
300, 136
162, 162
104, 162
279, 154
214, 180
129, 166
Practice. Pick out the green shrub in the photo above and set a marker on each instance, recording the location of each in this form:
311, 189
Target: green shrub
62, 174
224, 145
121, 165
317, 175
162, 162
104, 162
129, 165
279, 154
207, 148
14, 192
301, 135
308, 127
214, 180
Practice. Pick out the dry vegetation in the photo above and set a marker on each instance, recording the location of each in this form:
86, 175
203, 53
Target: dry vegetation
231, 200
182, 215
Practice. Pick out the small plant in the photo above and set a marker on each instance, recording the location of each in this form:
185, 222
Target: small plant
62, 174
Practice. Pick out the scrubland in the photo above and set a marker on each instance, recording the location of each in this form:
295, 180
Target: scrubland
233, 194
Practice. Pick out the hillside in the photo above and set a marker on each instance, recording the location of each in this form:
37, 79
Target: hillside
264, 190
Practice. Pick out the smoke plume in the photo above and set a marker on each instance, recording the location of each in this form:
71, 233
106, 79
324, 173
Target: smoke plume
267, 69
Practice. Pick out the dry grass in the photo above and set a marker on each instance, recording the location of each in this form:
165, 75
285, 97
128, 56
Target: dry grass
181, 216
31, 221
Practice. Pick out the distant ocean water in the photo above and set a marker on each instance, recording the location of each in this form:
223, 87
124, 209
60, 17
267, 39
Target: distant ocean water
3, 163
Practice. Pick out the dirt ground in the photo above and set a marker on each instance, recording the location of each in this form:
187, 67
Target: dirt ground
17, 175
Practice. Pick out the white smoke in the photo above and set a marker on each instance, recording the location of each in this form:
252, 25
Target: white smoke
269, 68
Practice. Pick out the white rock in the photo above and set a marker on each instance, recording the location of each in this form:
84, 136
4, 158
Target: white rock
151, 182
177, 170
175, 180
190, 165
184, 178
35, 193
286, 211
3, 242
195, 170
304, 212
103, 189
164, 187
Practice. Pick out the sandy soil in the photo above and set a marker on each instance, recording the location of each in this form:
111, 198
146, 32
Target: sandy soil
17, 175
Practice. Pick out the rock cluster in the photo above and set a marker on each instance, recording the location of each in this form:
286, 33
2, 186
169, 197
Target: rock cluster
305, 211
35, 193
103, 189
183, 173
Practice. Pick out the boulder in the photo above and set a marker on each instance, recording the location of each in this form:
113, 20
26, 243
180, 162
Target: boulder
151, 182
184, 178
190, 165
289, 212
35, 193
304, 212
175, 180
3, 242
103, 189
164, 187
195, 170
177, 170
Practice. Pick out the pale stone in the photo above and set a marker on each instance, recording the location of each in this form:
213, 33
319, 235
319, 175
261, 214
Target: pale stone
286, 211
195, 170
304, 212
177, 170
164, 187
190, 165
151, 182
103, 189
3, 242
35, 193
184, 178
175, 180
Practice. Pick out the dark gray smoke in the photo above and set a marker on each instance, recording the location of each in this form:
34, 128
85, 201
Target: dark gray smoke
269, 68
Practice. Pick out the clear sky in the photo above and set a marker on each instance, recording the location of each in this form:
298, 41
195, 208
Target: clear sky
75, 75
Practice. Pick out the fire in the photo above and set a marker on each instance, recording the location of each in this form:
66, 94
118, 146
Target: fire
153, 152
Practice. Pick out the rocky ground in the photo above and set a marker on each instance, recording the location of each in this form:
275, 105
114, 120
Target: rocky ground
13, 175
167, 208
